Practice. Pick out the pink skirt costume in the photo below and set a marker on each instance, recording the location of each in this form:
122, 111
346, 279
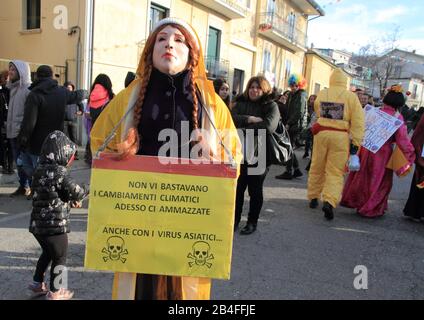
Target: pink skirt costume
368, 189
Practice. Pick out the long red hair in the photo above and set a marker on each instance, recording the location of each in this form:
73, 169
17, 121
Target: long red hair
132, 141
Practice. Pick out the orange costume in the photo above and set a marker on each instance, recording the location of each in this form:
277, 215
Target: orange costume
215, 114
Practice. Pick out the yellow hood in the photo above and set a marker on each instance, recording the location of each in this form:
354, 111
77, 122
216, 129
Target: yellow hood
338, 79
353, 116
220, 116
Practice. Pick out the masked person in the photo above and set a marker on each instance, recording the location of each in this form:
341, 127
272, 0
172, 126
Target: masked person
101, 94
171, 88
368, 189
339, 118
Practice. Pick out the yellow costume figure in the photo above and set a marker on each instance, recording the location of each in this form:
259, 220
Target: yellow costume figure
340, 118
215, 114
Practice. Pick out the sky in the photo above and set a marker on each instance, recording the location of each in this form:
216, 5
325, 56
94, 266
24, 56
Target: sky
350, 24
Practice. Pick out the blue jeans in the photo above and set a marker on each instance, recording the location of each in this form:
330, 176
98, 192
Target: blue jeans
25, 163
29, 163
23, 180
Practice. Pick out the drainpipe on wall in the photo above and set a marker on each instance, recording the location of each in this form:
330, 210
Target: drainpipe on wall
66, 70
307, 24
79, 59
73, 30
304, 62
88, 39
255, 41
93, 9
85, 62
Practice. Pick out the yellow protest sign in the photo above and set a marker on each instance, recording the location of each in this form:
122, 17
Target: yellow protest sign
173, 219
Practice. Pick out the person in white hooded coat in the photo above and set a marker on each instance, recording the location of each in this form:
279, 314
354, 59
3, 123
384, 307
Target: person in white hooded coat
18, 83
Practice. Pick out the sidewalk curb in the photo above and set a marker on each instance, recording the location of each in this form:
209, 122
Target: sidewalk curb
8, 179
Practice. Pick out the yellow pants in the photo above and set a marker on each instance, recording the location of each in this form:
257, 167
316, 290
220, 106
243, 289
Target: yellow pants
192, 288
329, 158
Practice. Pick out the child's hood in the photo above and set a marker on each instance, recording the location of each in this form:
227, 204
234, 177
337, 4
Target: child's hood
57, 149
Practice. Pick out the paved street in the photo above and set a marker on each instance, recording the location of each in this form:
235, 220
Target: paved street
295, 253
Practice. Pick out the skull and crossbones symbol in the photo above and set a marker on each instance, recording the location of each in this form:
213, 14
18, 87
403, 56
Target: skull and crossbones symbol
115, 249
200, 254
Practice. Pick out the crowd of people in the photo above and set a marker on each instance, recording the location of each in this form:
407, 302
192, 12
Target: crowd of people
34, 115
329, 125
335, 129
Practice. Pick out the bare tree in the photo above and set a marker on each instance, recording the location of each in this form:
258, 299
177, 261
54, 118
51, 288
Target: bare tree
379, 58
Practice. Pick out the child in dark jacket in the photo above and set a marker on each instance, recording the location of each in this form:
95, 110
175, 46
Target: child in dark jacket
54, 195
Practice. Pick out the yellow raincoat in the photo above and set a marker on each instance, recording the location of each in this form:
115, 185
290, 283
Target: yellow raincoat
124, 284
331, 147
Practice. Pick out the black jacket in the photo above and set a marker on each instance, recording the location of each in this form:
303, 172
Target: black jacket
283, 108
53, 188
265, 108
167, 104
45, 112
4, 102
71, 111
296, 113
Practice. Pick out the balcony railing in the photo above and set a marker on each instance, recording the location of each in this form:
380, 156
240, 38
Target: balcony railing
217, 68
274, 27
230, 8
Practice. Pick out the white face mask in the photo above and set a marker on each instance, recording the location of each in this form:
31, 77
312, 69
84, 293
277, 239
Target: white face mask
170, 53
